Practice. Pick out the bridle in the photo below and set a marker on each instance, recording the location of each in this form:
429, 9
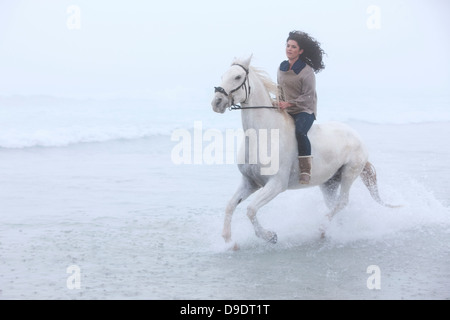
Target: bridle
246, 85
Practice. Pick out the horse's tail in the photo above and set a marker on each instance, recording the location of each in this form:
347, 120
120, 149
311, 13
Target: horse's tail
369, 177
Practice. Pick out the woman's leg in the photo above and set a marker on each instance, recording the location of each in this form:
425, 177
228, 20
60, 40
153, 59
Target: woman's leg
303, 122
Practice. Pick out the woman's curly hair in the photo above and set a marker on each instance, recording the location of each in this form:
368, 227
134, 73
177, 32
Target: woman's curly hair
313, 53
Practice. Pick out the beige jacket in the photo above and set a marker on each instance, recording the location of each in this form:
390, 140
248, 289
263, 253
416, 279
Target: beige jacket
299, 89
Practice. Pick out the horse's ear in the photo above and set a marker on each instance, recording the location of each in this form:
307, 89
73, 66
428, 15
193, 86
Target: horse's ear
246, 62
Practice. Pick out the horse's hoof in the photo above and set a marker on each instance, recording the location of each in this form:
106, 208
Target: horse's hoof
233, 247
274, 238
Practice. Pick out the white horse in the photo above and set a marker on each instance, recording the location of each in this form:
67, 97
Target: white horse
339, 155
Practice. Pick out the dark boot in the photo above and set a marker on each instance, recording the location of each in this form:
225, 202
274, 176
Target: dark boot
305, 163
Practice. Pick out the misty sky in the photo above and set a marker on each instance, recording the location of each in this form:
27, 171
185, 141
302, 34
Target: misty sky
140, 48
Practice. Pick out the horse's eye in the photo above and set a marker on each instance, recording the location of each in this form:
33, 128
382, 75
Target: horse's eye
238, 78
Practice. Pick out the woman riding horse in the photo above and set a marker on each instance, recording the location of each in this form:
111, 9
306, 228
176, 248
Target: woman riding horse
298, 96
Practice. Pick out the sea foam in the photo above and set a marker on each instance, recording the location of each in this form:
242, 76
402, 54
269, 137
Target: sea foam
39, 121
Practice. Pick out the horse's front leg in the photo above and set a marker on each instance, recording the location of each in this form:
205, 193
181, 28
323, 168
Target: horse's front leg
269, 192
245, 189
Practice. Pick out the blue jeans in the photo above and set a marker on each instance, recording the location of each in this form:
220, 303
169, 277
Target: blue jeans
303, 122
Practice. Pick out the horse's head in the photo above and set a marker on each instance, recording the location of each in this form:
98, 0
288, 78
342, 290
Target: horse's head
235, 86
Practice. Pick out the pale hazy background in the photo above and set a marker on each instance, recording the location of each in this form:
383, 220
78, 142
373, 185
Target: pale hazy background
88, 106
144, 49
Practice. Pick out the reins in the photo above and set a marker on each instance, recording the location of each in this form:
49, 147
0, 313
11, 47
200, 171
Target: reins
247, 93
238, 107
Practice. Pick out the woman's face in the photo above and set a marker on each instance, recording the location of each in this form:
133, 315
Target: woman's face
293, 51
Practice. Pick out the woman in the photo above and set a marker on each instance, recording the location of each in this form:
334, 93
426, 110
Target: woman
297, 82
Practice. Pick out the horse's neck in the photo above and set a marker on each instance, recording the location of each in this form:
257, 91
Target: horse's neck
260, 118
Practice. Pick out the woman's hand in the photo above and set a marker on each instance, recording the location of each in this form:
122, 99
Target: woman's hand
283, 104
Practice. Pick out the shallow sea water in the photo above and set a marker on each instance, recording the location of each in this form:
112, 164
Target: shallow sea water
140, 227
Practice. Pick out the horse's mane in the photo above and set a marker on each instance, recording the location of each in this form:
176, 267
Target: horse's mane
270, 86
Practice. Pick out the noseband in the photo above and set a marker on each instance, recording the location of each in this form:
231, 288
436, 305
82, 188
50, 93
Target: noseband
246, 87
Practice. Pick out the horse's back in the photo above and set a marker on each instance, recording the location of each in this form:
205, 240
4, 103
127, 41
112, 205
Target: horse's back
334, 137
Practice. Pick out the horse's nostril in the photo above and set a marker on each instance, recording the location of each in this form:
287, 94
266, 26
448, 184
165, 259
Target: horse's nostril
218, 101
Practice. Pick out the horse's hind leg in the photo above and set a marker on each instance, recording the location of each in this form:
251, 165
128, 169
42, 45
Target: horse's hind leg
245, 189
348, 176
330, 188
